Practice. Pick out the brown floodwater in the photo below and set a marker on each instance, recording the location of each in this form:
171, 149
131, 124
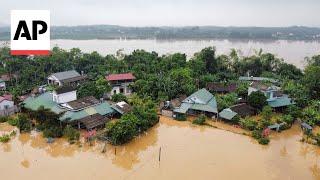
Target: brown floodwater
187, 152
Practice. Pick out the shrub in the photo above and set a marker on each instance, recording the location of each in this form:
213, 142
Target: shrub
53, 132
248, 124
257, 134
257, 100
5, 138
13, 121
119, 97
4, 119
71, 134
121, 132
266, 113
199, 120
288, 119
23, 123
235, 119
181, 117
264, 141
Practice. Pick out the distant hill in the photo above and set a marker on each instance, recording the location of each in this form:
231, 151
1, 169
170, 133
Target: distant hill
188, 32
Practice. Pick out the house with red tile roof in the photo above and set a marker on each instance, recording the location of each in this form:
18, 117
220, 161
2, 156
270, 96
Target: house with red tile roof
120, 83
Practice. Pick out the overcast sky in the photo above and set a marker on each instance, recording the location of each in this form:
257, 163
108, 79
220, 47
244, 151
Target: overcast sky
172, 12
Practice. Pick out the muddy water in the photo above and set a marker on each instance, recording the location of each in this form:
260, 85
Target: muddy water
187, 152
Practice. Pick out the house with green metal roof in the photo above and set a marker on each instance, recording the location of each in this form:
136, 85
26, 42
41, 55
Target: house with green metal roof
201, 101
74, 111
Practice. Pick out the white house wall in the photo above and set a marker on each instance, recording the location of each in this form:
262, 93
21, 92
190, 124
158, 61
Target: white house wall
6, 103
65, 97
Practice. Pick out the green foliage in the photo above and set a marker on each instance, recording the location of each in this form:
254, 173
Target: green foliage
119, 97
142, 117
311, 116
4, 119
13, 121
242, 90
257, 100
294, 111
53, 132
248, 123
312, 81
288, 119
181, 117
225, 101
297, 91
24, 123
200, 120
266, 113
5, 138
48, 122
94, 88
264, 141
71, 134
123, 130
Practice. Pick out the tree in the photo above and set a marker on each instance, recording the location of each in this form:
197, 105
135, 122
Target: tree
119, 97
312, 81
266, 113
257, 100
71, 134
24, 124
242, 90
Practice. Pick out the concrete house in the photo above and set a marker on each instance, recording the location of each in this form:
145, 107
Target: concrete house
66, 78
64, 94
275, 97
120, 83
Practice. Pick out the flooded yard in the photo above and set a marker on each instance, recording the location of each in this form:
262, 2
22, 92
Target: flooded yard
187, 152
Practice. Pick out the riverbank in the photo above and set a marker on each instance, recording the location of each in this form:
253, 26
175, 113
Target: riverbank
187, 152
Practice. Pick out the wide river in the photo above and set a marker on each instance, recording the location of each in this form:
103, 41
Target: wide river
292, 51
188, 152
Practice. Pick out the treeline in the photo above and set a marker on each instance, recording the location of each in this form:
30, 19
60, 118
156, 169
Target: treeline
161, 77
188, 32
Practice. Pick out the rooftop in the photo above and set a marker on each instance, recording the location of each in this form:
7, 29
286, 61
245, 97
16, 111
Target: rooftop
66, 75
83, 102
201, 100
117, 77
64, 89
222, 87
46, 101
7, 97
251, 78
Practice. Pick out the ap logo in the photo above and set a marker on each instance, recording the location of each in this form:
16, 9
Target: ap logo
30, 32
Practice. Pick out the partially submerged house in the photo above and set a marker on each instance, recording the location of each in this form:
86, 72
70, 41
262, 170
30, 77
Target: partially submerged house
85, 112
7, 106
199, 102
241, 110
275, 97
122, 107
120, 83
222, 88
167, 107
66, 78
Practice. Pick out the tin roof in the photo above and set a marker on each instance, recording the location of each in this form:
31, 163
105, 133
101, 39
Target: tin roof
117, 77
66, 75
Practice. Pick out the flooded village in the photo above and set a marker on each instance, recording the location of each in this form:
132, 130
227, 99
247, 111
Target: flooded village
139, 124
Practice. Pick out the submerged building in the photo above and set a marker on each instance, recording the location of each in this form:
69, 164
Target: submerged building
87, 112
199, 102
